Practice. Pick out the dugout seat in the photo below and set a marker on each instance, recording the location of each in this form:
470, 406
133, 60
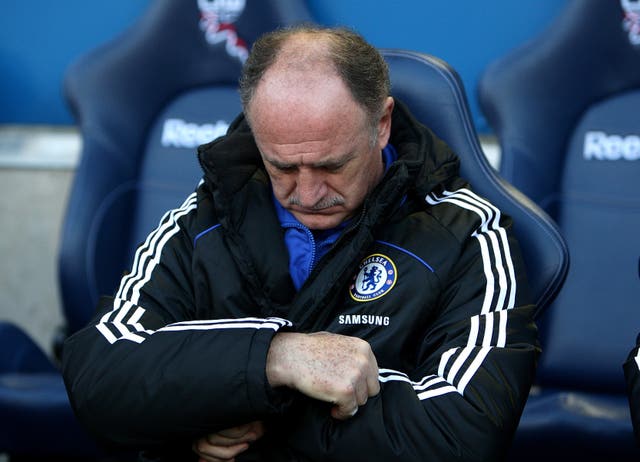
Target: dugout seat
436, 96
143, 102
564, 108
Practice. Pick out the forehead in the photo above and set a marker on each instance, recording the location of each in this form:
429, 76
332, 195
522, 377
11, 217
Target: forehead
302, 106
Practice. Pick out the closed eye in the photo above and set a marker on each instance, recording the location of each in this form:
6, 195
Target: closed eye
337, 165
286, 168
333, 168
280, 166
329, 166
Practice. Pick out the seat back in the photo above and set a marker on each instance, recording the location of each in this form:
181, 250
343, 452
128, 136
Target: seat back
435, 94
563, 107
143, 103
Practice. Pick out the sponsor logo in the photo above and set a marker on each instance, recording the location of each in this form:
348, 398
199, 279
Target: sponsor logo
364, 319
376, 276
177, 133
631, 21
600, 146
216, 21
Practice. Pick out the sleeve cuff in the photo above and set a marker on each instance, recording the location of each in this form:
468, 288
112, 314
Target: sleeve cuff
263, 398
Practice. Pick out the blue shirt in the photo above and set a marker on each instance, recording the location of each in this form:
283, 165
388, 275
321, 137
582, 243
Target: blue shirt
306, 247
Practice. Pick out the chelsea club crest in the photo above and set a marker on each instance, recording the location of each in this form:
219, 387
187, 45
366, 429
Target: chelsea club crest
376, 276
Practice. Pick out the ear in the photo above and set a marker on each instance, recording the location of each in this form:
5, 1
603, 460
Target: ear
384, 124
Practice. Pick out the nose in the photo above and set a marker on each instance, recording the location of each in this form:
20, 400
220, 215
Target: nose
311, 187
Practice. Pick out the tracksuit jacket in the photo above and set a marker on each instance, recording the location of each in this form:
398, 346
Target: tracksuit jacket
427, 272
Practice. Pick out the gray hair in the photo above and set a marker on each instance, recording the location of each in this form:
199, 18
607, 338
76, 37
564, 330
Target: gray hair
358, 63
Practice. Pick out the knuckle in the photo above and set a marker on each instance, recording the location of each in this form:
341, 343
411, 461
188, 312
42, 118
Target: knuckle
349, 389
364, 345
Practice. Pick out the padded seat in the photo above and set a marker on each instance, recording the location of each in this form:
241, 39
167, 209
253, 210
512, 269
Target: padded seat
563, 107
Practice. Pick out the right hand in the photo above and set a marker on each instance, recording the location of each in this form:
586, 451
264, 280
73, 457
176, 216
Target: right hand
335, 368
225, 445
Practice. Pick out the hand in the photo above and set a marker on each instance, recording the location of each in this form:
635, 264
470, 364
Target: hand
224, 445
329, 367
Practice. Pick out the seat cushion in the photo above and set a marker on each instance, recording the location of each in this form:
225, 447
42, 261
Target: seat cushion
575, 426
37, 416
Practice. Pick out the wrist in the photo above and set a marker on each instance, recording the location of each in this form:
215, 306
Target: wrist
278, 368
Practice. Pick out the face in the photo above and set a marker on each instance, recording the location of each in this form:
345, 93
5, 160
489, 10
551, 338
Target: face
316, 144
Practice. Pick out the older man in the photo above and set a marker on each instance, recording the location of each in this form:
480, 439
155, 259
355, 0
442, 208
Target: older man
332, 290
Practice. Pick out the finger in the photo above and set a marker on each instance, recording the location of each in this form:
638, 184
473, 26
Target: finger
343, 413
373, 385
216, 439
214, 453
361, 391
257, 428
357, 394
346, 408
243, 434
235, 432
373, 382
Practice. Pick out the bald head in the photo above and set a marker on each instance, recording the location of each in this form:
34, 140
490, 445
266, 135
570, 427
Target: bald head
302, 87
304, 51
307, 55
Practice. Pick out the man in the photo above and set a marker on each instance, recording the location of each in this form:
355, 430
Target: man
332, 291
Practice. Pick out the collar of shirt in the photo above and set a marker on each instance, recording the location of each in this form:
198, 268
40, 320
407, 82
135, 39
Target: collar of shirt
306, 247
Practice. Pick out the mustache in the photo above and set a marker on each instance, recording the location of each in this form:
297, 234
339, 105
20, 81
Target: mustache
324, 203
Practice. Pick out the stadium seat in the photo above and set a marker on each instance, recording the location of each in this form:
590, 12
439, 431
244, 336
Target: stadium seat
435, 94
564, 109
143, 102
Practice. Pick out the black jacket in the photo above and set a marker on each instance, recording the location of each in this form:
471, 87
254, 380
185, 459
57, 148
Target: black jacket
180, 350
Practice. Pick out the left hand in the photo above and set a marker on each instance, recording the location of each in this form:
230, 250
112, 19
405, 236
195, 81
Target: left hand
334, 368
225, 445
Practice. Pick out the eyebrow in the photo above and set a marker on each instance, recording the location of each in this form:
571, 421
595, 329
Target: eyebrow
328, 163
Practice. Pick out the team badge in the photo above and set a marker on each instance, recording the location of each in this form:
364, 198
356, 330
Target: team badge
631, 21
376, 276
216, 20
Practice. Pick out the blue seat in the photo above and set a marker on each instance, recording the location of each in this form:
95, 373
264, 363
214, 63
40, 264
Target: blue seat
436, 96
143, 103
563, 107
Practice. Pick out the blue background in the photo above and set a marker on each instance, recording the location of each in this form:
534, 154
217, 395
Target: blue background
40, 38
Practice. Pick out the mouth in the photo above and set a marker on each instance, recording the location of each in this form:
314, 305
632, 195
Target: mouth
317, 210
319, 219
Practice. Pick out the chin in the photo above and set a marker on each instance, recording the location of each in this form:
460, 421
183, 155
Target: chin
319, 222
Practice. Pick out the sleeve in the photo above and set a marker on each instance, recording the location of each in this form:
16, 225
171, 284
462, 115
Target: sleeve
632, 375
475, 366
144, 372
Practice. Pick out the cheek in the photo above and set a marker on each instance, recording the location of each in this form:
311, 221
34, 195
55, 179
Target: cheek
352, 188
280, 187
